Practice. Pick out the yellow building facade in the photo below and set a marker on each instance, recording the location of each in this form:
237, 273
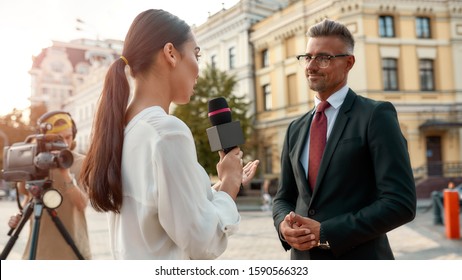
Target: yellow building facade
407, 52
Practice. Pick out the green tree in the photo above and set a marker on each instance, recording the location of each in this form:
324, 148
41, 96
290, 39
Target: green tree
213, 83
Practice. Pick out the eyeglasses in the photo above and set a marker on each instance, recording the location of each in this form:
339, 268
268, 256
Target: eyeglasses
322, 61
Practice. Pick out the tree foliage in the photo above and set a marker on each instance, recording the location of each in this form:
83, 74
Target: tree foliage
211, 84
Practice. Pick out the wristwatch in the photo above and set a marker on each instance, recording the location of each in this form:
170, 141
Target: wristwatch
323, 243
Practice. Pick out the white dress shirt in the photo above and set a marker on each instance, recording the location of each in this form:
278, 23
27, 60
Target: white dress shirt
169, 209
335, 101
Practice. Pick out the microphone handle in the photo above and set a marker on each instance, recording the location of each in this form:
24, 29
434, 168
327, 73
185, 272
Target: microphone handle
227, 150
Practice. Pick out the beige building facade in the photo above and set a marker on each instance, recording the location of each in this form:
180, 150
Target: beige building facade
69, 76
224, 42
407, 52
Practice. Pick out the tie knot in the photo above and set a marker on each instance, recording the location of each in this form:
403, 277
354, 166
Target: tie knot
322, 106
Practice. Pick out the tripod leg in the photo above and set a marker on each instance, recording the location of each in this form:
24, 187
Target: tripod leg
14, 236
38, 209
64, 232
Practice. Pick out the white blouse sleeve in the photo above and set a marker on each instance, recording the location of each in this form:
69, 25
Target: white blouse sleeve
197, 219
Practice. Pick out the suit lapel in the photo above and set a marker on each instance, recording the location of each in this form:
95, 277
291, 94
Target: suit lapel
296, 154
337, 131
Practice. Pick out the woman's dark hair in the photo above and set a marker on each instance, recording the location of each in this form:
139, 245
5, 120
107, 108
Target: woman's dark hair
101, 170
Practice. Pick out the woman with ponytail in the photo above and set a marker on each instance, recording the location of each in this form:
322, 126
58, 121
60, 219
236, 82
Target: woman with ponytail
142, 166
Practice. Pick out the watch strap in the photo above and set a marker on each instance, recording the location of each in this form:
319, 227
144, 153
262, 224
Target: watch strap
323, 243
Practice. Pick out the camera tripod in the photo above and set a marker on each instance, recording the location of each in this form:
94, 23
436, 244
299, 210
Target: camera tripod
36, 206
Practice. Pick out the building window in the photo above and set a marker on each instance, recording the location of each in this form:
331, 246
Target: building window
422, 26
213, 61
82, 68
267, 98
232, 58
264, 58
268, 160
290, 45
390, 74
427, 82
386, 26
292, 98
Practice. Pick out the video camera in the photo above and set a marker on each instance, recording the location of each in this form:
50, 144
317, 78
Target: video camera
33, 158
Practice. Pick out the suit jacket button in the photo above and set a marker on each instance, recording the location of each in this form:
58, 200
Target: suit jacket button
311, 212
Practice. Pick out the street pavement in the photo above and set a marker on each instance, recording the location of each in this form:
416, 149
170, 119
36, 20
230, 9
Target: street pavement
257, 238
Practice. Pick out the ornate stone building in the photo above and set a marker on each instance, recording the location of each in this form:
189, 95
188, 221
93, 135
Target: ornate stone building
408, 52
225, 44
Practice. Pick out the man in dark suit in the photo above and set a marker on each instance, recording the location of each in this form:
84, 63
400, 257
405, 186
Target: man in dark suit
342, 206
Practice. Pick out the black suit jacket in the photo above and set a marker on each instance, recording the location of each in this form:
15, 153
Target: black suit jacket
365, 186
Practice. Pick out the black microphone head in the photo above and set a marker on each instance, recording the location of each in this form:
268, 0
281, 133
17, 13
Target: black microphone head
219, 112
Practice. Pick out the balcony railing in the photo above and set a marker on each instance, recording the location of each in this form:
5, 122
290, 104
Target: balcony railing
438, 169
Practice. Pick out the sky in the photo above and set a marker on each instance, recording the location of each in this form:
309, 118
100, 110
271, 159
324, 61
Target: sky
28, 26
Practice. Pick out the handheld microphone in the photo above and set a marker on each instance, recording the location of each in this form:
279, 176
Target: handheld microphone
224, 134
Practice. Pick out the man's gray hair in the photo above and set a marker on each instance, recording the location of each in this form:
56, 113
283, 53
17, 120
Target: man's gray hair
329, 27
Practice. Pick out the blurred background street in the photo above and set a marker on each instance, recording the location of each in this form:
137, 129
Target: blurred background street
257, 238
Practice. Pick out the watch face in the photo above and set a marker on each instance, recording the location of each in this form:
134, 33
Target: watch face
324, 245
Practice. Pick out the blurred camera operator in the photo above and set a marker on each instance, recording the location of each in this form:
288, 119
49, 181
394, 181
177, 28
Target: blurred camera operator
51, 245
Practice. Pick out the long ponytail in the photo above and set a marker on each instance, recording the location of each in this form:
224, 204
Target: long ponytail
101, 170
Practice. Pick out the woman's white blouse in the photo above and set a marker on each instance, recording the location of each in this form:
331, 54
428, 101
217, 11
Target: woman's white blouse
169, 209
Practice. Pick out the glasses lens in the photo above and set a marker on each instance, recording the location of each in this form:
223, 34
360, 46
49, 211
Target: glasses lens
322, 61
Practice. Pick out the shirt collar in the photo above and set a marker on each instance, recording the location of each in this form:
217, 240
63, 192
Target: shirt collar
335, 100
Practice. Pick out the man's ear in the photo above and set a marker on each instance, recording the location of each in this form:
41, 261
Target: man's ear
170, 54
73, 145
351, 62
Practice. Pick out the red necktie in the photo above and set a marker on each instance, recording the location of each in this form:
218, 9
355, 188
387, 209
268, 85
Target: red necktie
318, 132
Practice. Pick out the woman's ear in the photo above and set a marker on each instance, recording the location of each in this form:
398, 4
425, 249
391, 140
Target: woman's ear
170, 54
